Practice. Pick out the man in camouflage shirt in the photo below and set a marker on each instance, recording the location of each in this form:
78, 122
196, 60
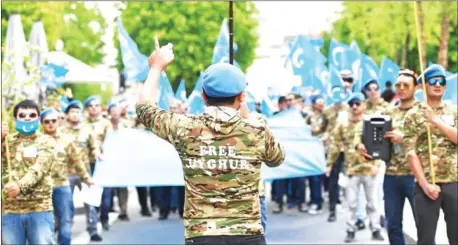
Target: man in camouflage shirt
375, 105
27, 195
221, 153
89, 150
430, 197
358, 171
67, 157
337, 110
99, 126
399, 181
318, 124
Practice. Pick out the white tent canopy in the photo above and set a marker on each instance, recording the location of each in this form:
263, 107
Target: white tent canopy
79, 72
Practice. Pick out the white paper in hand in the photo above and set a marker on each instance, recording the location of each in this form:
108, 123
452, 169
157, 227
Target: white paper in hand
92, 195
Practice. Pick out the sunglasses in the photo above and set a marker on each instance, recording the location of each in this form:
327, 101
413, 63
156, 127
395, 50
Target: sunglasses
351, 104
32, 115
372, 89
441, 80
46, 121
403, 86
93, 105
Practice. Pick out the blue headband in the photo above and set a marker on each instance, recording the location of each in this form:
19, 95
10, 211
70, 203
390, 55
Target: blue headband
90, 100
112, 105
47, 112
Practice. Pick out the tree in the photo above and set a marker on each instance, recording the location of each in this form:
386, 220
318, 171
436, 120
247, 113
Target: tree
69, 21
388, 29
193, 28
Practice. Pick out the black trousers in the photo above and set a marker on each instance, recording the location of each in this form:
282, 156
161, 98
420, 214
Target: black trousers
142, 193
427, 213
164, 196
333, 182
181, 197
229, 240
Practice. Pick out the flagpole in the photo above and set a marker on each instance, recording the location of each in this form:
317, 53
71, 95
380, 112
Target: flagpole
231, 33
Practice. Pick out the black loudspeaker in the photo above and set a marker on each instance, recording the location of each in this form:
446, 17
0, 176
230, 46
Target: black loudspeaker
374, 129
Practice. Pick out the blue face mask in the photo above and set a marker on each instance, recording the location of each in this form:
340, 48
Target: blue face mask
27, 128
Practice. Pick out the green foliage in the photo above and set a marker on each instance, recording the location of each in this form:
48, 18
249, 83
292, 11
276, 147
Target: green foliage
193, 28
82, 91
79, 38
381, 29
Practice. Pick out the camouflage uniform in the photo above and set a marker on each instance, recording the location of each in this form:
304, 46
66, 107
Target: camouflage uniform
68, 158
221, 164
343, 138
379, 108
398, 163
99, 128
358, 172
317, 122
86, 145
31, 158
444, 151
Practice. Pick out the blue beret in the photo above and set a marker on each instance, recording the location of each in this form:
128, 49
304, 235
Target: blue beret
73, 104
369, 82
314, 98
90, 100
433, 70
356, 97
112, 105
47, 112
223, 80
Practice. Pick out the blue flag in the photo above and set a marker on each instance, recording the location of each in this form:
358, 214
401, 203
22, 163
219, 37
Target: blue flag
135, 64
369, 70
304, 58
165, 95
451, 89
161, 168
289, 129
53, 76
354, 46
221, 50
180, 94
388, 72
267, 108
196, 104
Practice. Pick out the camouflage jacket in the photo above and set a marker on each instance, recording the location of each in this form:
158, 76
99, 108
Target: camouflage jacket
68, 158
398, 164
99, 128
222, 159
31, 158
444, 151
331, 114
262, 119
343, 136
379, 108
86, 145
317, 122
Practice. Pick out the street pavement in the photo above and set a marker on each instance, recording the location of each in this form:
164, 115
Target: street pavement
289, 227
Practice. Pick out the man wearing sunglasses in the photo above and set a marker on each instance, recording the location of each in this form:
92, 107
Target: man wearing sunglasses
375, 105
429, 198
27, 199
221, 152
399, 181
67, 158
338, 109
99, 127
358, 171
88, 149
